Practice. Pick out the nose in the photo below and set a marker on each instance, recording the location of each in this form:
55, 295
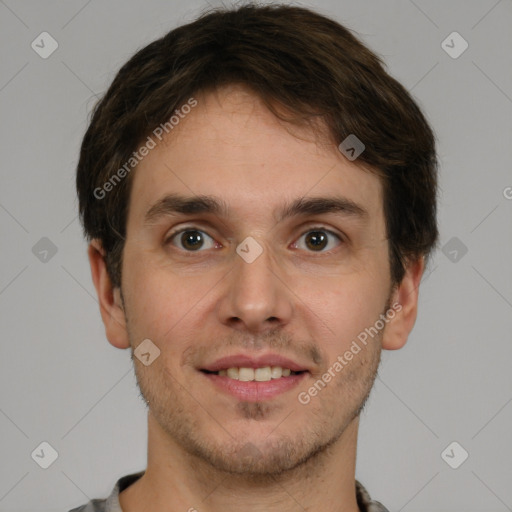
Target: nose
256, 297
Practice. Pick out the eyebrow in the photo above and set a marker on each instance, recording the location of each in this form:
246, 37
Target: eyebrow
173, 204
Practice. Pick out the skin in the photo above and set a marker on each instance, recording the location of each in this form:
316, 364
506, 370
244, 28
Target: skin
206, 449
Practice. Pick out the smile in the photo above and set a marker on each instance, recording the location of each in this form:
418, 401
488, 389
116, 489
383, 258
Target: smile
263, 374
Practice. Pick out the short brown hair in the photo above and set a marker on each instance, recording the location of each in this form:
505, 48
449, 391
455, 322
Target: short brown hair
289, 56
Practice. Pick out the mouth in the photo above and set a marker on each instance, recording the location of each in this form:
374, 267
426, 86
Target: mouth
262, 374
254, 379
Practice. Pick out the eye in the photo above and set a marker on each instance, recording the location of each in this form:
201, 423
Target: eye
317, 239
191, 239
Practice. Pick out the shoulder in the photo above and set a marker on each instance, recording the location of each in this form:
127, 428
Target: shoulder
110, 504
365, 503
92, 506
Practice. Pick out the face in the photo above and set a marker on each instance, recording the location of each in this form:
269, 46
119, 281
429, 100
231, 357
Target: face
257, 279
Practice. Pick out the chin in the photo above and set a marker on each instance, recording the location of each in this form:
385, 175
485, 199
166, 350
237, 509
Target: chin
262, 457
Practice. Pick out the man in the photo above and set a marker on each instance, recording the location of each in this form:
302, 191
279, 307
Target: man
260, 200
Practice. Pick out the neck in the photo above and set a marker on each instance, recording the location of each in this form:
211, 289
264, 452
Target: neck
177, 480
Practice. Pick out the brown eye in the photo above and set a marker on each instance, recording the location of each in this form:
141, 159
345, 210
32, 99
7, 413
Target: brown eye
316, 240
191, 240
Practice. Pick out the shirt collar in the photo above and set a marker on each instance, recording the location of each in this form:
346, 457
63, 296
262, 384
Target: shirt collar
364, 502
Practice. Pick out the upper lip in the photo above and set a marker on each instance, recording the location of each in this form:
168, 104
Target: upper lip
247, 361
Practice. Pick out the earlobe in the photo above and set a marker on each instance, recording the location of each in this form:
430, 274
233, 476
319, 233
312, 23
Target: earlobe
406, 295
109, 298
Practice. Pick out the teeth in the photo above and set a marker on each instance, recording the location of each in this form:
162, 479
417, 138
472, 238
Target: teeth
232, 373
276, 372
245, 374
258, 374
263, 374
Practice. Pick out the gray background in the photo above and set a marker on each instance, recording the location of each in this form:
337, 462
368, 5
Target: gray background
63, 383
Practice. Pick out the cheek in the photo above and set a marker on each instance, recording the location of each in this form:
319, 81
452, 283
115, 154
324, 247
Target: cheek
155, 302
341, 309
165, 307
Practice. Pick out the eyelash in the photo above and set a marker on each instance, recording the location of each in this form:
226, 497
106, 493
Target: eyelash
172, 235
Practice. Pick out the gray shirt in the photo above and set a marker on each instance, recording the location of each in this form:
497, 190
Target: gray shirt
111, 504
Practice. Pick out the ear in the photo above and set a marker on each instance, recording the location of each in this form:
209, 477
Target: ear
109, 298
406, 295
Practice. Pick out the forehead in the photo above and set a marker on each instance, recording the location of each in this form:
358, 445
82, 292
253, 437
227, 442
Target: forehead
232, 147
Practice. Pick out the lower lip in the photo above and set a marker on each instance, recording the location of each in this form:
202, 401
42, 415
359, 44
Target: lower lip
254, 391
